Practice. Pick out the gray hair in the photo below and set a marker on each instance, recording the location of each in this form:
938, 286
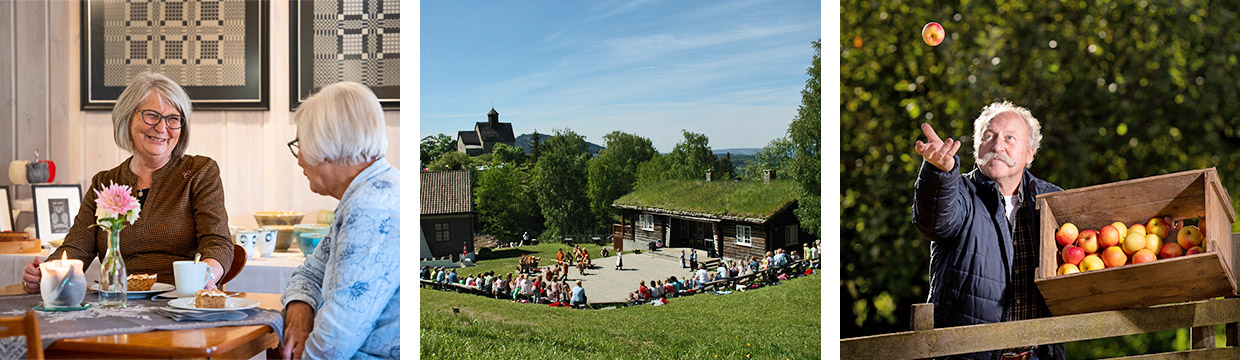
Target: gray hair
343, 123
994, 109
138, 91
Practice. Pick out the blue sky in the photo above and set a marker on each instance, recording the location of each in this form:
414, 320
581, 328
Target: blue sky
732, 70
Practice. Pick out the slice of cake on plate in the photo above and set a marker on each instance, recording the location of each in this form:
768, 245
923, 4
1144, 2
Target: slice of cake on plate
140, 282
209, 299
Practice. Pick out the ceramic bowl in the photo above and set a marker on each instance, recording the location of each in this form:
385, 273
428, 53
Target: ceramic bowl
265, 218
308, 241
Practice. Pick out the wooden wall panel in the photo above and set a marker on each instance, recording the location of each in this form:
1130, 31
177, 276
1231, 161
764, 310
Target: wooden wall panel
7, 89
62, 93
31, 82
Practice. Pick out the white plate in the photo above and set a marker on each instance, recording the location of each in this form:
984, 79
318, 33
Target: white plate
158, 288
231, 303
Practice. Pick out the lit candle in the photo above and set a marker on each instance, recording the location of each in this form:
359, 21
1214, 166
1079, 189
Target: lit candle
54, 274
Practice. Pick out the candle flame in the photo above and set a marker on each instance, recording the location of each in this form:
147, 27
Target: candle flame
64, 256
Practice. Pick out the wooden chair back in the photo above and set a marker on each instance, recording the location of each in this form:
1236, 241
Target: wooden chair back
238, 263
27, 325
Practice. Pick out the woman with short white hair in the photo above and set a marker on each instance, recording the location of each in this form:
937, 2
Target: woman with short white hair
344, 301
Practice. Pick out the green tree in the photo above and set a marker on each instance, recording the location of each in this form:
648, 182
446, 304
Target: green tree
614, 173
691, 157
776, 155
506, 206
451, 161
1124, 90
435, 145
535, 146
507, 154
805, 136
560, 181
656, 169
723, 167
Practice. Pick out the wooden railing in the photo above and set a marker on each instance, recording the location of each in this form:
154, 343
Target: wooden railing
926, 342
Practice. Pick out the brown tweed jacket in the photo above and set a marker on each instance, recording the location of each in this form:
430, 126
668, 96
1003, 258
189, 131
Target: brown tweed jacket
183, 214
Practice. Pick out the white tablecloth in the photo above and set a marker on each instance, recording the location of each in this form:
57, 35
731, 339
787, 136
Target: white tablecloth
262, 275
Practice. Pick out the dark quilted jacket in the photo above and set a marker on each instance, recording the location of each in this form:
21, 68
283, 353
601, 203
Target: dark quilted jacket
971, 251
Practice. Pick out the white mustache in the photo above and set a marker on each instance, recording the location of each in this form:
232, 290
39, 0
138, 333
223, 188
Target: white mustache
1001, 156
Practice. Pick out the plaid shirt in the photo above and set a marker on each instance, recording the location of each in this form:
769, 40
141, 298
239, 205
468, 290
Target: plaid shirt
1026, 301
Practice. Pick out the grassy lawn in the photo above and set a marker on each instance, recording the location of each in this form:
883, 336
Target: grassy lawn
774, 322
504, 261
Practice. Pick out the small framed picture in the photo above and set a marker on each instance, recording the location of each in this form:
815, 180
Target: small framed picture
6, 210
54, 209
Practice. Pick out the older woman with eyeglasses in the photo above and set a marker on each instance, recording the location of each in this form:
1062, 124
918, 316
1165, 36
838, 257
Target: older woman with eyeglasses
181, 195
344, 301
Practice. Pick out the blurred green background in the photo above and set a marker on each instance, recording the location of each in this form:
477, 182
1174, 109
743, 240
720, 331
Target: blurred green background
1124, 90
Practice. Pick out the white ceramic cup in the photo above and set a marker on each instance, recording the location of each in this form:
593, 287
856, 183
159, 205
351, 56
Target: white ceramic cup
249, 241
190, 277
266, 242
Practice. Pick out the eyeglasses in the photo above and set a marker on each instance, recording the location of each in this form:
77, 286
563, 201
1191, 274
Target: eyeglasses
152, 118
294, 147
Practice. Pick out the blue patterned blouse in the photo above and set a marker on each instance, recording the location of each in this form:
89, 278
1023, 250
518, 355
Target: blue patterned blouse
353, 278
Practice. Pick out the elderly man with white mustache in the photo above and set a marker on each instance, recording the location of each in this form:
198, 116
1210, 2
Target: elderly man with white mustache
983, 226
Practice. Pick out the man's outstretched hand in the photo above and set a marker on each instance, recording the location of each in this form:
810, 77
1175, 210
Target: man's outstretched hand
941, 154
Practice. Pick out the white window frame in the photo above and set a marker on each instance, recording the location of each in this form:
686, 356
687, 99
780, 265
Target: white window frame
792, 232
744, 235
646, 222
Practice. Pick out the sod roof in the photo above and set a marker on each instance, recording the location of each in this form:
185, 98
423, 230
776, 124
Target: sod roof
732, 200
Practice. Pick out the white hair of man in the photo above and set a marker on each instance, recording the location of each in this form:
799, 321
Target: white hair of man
139, 89
342, 123
994, 109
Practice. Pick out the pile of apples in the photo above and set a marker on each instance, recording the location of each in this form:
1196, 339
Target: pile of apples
1118, 245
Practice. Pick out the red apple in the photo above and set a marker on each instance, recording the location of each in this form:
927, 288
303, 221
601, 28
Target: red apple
1067, 234
1157, 226
1170, 250
1066, 269
1143, 256
1093, 262
1073, 254
932, 33
1114, 256
1088, 240
1189, 236
1109, 236
1194, 250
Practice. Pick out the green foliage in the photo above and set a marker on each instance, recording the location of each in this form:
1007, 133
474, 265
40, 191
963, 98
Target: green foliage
805, 136
614, 173
692, 157
693, 327
560, 183
735, 198
435, 145
654, 170
1124, 90
505, 203
776, 155
507, 154
723, 167
452, 161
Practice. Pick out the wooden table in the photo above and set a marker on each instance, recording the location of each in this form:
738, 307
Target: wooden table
233, 342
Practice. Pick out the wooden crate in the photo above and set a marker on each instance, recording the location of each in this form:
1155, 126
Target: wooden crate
1182, 195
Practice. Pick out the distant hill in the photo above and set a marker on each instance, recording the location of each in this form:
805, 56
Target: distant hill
737, 151
525, 140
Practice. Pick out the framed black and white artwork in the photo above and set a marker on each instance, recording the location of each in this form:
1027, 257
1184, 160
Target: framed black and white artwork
54, 209
6, 210
334, 41
215, 49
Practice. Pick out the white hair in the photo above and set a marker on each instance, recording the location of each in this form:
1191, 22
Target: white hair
342, 123
994, 109
139, 89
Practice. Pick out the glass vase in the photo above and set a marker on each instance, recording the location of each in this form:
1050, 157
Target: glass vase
112, 280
